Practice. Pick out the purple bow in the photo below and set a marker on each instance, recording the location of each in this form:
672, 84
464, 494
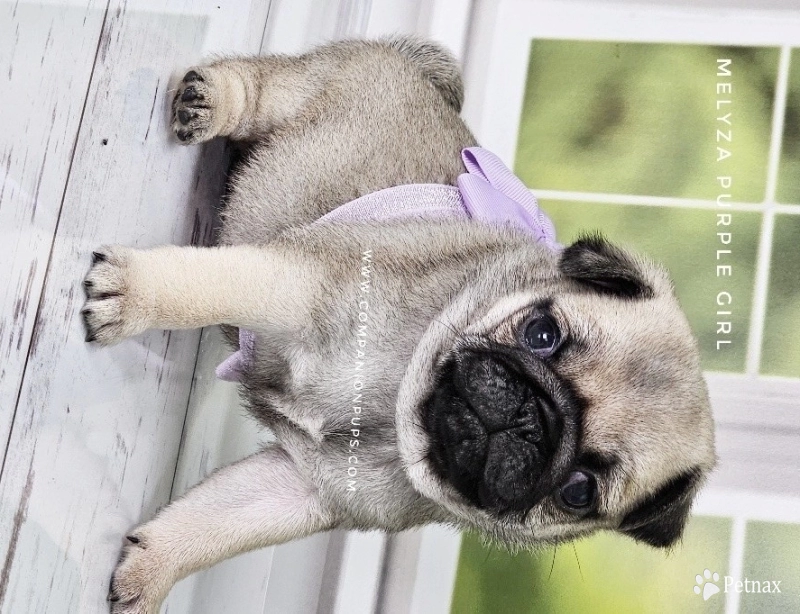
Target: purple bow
493, 194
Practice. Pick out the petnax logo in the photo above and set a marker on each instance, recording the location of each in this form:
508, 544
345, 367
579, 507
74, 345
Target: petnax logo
707, 585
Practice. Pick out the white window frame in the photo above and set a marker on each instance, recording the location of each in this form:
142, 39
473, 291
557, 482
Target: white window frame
497, 58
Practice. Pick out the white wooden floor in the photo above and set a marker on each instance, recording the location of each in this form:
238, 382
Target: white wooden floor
94, 440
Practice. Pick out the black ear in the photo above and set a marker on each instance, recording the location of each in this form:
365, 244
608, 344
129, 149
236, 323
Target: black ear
659, 520
594, 262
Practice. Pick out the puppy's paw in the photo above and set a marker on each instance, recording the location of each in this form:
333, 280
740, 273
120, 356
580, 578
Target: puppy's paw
141, 579
194, 106
112, 310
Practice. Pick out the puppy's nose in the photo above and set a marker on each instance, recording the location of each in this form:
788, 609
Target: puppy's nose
495, 429
504, 398
497, 395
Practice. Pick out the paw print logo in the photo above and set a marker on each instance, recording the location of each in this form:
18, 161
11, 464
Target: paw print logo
706, 584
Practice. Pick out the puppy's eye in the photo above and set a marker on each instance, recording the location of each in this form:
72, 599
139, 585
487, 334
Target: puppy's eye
542, 335
579, 492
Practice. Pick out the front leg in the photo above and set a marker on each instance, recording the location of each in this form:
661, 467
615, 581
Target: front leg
257, 502
132, 290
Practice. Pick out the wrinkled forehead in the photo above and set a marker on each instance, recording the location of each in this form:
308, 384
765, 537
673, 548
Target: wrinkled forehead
597, 321
636, 367
500, 316
642, 347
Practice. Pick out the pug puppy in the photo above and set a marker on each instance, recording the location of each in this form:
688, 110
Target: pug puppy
413, 370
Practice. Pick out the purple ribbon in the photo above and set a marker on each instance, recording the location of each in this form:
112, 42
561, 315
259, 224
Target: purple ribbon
493, 194
488, 192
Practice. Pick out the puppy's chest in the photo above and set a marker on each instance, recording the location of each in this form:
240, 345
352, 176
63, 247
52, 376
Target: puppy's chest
342, 374
333, 392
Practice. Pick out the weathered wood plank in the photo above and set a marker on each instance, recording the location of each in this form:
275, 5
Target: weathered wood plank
41, 105
217, 433
94, 442
285, 578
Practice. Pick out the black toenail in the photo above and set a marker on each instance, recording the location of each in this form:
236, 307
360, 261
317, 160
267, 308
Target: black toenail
192, 76
184, 135
98, 257
184, 116
190, 94
112, 594
133, 539
90, 337
86, 312
88, 283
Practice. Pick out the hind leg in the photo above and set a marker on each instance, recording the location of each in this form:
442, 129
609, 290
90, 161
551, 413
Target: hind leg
327, 127
243, 99
248, 98
260, 501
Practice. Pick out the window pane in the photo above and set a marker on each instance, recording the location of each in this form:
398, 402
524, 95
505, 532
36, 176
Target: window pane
684, 240
789, 172
636, 118
771, 554
616, 575
781, 348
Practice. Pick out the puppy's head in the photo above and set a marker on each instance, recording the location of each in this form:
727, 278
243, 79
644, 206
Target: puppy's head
571, 406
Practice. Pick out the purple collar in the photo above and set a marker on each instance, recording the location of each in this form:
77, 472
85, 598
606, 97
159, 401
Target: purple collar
488, 192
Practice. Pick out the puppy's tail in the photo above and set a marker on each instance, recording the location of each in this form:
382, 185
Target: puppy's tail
437, 65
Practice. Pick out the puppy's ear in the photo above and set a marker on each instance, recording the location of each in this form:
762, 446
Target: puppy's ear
594, 262
659, 520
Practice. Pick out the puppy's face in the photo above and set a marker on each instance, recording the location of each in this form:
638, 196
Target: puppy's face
576, 406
